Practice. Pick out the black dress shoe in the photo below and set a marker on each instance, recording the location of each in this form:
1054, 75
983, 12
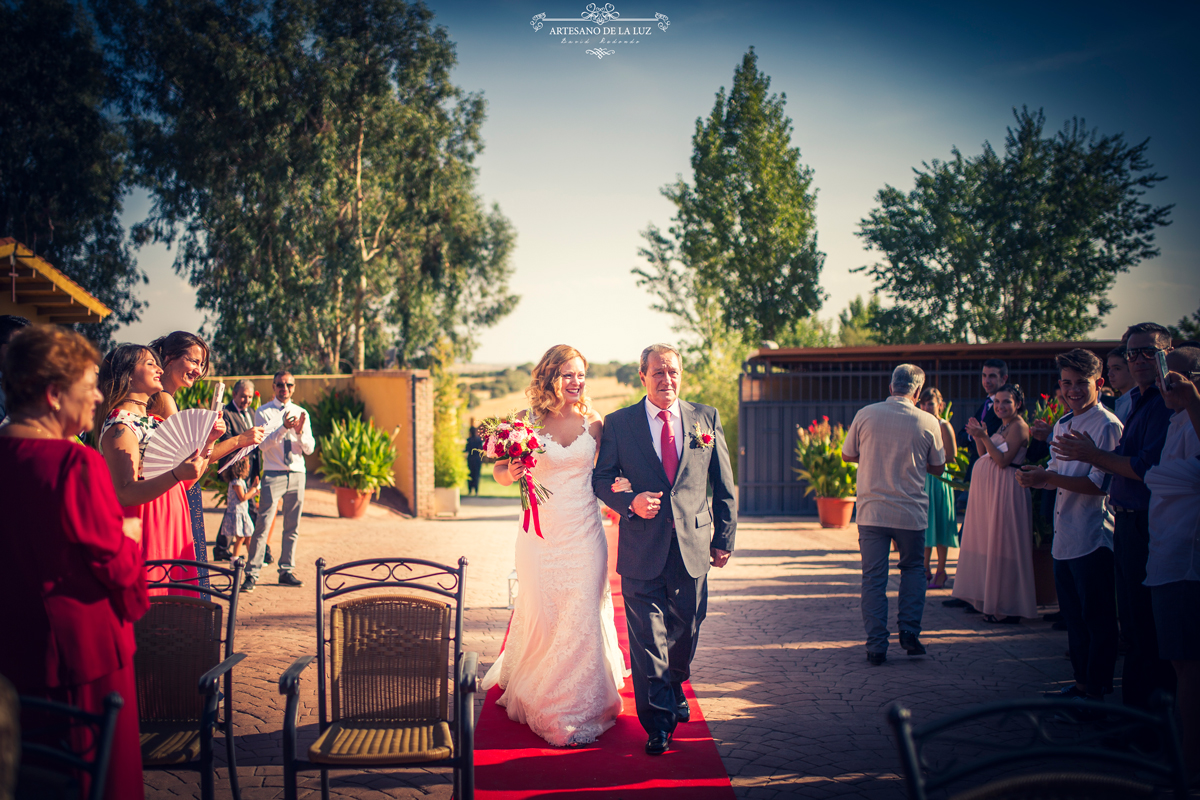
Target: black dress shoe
683, 711
288, 579
876, 659
658, 743
1054, 617
911, 644
1071, 692
954, 602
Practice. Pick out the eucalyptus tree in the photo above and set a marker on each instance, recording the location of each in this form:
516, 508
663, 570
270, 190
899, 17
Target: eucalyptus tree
63, 174
315, 163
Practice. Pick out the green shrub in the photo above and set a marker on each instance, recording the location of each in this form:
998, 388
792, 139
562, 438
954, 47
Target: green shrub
333, 406
198, 395
358, 455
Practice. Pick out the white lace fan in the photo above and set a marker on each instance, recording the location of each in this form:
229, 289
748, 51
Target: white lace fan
268, 429
179, 436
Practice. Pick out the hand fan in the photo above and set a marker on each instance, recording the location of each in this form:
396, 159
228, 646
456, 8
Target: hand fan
176, 439
268, 429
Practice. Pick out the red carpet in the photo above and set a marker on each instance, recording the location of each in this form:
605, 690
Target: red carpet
513, 763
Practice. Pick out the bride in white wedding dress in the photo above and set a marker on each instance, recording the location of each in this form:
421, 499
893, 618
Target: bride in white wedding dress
561, 667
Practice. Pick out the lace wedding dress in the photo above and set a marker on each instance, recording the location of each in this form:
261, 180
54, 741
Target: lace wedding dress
562, 667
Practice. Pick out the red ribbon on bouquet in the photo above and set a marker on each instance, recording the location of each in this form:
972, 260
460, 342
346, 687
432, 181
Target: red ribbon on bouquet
530, 462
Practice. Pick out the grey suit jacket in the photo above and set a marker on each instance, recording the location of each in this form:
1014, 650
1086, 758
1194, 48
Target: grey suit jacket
628, 449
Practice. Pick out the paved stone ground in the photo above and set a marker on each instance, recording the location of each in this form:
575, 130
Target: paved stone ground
781, 670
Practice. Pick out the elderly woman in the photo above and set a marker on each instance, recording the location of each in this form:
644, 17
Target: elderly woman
71, 581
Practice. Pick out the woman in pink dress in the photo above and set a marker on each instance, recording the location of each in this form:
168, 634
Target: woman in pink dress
995, 557
129, 376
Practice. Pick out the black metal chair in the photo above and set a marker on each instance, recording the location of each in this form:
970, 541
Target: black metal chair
383, 667
1072, 745
183, 654
51, 754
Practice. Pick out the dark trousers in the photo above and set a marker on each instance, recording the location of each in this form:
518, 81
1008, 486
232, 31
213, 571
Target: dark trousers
1087, 598
663, 616
1144, 671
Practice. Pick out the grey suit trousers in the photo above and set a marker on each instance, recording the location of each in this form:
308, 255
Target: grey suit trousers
663, 615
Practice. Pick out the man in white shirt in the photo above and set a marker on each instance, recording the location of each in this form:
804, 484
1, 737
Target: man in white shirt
1083, 530
1173, 566
895, 444
283, 454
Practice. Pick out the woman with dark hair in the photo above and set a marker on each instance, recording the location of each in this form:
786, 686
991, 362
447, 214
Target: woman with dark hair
995, 562
184, 358
129, 376
941, 530
71, 581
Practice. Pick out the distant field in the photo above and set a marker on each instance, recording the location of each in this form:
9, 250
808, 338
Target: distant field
607, 395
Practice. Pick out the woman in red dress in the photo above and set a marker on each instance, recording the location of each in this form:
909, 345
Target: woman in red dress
129, 376
71, 582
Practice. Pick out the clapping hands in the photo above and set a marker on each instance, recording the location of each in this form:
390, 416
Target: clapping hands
1075, 446
976, 429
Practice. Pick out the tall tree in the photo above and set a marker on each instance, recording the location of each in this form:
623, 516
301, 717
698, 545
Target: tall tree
1014, 246
316, 163
744, 233
62, 156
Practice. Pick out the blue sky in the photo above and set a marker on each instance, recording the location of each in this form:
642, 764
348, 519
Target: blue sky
577, 147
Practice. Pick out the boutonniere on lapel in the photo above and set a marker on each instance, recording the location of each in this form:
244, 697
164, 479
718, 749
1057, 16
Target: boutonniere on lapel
701, 439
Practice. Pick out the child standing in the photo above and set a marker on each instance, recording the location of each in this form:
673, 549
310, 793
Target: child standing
236, 525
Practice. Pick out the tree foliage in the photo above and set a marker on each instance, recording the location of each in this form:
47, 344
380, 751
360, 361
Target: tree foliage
1018, 245
62, 156
742, 249
314, 162
1187, 327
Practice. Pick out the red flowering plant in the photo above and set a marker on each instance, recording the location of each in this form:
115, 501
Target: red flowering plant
1049, 409
516, 439
819, 451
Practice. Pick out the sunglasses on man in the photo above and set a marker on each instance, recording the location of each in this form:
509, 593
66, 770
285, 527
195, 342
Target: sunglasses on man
1145, 353
281, 385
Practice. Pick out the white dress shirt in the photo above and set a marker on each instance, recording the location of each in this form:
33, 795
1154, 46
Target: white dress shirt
1123, 406
1083, 523
1175, 507
656, 426
284, 450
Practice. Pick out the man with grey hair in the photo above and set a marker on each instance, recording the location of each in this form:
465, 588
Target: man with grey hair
239, 418
894, 444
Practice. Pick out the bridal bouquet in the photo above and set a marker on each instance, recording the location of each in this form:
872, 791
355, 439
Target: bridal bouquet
516, 439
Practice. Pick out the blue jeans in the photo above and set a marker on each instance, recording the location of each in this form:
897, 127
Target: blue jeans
276, 486
874, 543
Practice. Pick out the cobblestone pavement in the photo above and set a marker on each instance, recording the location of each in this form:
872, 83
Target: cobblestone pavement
781, 672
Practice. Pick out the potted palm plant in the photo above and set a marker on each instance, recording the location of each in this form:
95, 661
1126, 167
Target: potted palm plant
819, 453
357, 458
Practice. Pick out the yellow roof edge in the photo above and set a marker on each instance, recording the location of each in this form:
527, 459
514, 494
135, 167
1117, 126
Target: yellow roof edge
69, 287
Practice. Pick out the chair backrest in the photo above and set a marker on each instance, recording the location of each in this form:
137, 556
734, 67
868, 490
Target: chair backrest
222, 585
178, 640
61, 743
10, 738
389, 659
986, 743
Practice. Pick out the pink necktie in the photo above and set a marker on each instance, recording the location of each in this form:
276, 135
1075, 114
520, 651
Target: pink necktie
670, 458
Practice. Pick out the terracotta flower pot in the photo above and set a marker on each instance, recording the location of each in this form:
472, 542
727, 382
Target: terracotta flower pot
350, 503
835, 512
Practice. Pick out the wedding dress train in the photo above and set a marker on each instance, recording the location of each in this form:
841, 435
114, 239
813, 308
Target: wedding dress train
562, 666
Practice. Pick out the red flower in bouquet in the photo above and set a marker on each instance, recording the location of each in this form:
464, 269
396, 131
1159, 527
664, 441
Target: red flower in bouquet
515, 439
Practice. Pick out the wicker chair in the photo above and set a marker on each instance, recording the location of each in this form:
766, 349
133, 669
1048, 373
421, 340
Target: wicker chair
181, 659
51, 754
383, 689
1081, 741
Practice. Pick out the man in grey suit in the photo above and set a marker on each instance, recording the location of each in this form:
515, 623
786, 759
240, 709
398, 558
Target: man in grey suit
673, 451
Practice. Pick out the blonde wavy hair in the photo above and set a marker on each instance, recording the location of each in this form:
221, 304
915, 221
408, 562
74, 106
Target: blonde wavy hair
545, 384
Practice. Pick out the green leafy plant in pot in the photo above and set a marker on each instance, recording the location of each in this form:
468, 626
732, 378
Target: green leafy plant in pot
832, 480
357, 458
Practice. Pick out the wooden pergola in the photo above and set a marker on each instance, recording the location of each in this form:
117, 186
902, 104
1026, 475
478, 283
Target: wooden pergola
40, 292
